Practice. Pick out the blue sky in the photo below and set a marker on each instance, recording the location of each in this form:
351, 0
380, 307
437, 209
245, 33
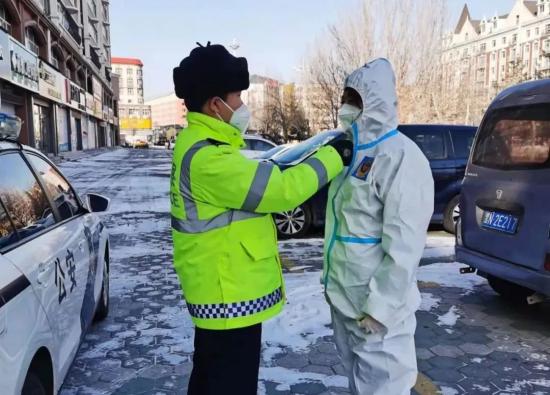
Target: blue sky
274, 35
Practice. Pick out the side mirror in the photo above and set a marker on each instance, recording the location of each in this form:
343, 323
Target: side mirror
96, 203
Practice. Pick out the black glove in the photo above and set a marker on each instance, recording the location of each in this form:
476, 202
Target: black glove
344, 147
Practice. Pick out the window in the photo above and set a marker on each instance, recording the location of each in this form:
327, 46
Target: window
118, 70
4, 23
514, 38
529, 33
94, 32
130, 91
57, 188
462, 141
494, 43
140, 101
22, 197
55, 60
130, 82
483, 47
504, 40
517, 138
432, 144
30, 41
503, 54
7, 232
537, 31
130, 71
548, 29
517, 20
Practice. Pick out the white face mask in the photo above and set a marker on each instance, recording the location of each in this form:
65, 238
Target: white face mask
240, 118
348, 114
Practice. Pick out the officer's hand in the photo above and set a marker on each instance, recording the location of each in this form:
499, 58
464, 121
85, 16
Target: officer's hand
371, 325
344, 148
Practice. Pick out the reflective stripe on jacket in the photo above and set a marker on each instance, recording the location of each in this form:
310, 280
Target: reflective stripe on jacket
225, 241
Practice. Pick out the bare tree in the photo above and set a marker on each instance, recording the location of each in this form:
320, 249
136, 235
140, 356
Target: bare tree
409, 33
344, 47
285, 117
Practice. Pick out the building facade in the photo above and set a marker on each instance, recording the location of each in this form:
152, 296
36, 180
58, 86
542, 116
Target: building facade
261, 94
55, 73
168, 111
134, 114
492, 53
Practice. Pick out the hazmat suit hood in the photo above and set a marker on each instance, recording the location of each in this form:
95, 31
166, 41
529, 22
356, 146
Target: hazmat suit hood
375, 83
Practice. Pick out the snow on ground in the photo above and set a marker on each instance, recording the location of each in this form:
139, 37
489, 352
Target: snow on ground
287, 377
448, 275
304, 320
429, 302
450, 318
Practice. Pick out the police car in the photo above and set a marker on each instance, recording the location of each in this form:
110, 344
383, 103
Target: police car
54, 268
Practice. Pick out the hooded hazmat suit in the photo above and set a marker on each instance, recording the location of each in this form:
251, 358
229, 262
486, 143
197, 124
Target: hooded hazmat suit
378, 214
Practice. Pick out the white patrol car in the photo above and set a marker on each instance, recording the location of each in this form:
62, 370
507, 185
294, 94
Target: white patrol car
54, 268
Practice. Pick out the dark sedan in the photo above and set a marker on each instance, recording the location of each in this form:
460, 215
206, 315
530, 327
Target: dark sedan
447, 147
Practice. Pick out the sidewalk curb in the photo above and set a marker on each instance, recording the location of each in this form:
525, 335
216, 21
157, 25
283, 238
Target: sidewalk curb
78, 155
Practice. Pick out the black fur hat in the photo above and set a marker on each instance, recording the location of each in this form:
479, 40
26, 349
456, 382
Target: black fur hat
207, 72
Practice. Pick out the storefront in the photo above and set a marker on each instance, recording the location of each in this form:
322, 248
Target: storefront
19, 75
76, 100
89, 127
52, 91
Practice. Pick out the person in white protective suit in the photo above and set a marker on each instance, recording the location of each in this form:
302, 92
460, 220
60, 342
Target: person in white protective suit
378, 214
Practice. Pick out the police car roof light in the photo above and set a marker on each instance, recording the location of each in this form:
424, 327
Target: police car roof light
10, 127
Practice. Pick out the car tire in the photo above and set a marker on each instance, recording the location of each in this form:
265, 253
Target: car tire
103, 307
510, 291
33, 385
452, 213
294, 223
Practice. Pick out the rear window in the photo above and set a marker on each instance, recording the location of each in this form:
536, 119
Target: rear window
516, 138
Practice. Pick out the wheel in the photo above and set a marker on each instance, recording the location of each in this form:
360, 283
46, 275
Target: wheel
294, 223
510, 291
103, 307
452, 214
33, 385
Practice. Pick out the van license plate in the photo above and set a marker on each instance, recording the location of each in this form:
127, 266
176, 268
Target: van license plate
506, 223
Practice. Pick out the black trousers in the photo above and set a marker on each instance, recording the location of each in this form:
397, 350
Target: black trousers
226, 362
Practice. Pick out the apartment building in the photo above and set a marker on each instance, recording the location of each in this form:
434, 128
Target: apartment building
493, 52
55, 73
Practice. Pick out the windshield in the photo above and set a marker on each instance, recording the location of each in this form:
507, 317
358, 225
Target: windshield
515, 138
299, 152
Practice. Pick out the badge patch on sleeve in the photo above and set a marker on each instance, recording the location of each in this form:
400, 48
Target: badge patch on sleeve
363, 169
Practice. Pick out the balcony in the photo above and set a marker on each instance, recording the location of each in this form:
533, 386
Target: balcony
69, 24
5, 25
94, 57
92, 14
71, 8
44, 5
546, 52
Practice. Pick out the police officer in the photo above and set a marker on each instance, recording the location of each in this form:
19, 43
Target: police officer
225, 243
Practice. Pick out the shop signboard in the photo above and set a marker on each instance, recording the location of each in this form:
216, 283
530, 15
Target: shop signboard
135, 123
76, 96
51, 83
89, 103
5, 68
98, 96
24, 66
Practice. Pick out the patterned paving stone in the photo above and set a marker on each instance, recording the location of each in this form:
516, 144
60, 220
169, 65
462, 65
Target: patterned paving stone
140, 348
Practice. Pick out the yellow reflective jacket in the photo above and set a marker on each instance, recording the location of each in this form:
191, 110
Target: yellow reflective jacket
225, 241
